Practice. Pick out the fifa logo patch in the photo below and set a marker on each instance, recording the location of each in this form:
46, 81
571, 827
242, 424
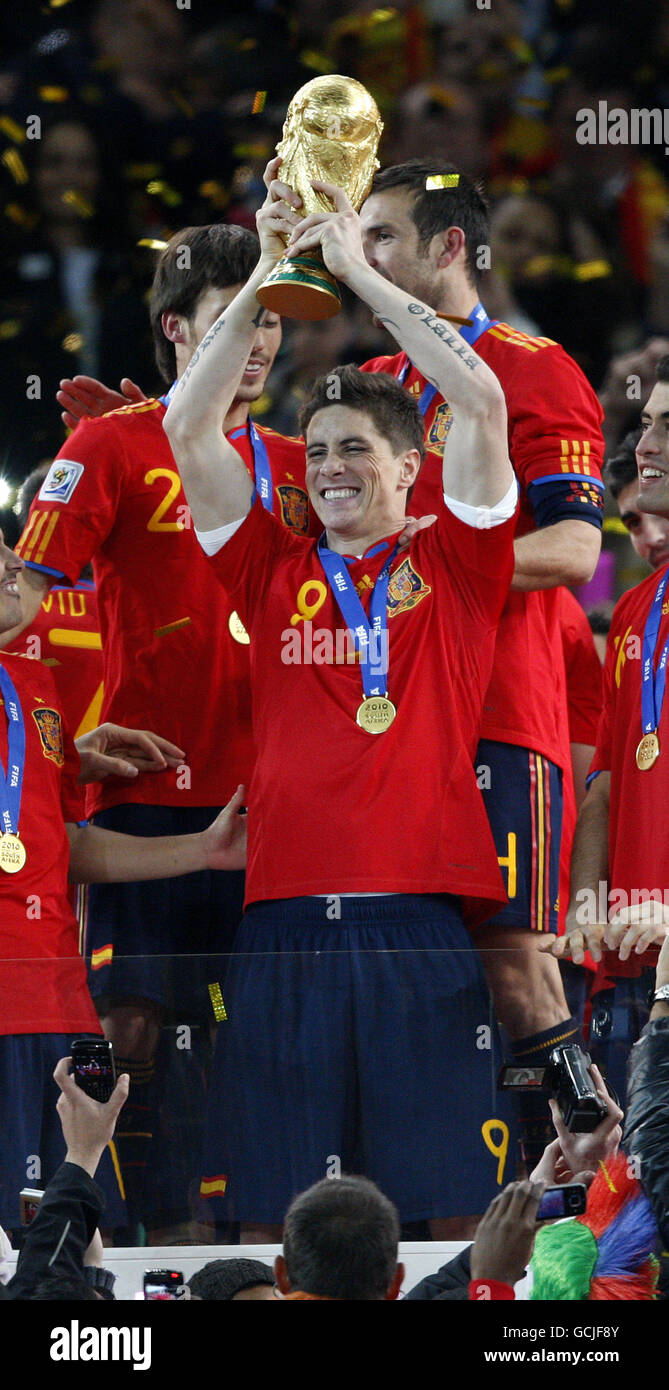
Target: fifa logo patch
61, 481
406, 588
51, 734
294, 508
439, 428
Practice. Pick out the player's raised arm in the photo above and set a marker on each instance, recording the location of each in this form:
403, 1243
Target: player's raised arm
216, 481
477, 469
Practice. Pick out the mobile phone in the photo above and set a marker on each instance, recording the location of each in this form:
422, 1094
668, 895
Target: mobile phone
29, 1198
162, 1283
94, 1070
568, 1200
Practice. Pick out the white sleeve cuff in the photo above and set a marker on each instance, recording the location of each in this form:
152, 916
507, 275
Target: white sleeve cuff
484, 517
213, 541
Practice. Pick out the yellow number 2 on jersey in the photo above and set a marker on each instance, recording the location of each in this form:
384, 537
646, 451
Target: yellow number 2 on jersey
155, 522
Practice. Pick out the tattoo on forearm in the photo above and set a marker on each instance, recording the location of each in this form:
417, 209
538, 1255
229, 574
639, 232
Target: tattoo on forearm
208, 338
438, 327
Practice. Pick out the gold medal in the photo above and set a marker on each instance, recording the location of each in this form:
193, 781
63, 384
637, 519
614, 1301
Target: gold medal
376, 714
647, 752
237, 629
12, 854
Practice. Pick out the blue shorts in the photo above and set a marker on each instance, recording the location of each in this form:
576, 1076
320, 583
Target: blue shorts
522, 792
31, 1139
362, 1043
131, 932
616, 1022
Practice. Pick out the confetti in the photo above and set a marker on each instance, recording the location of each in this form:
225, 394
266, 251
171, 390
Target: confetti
258, 103
215, 192
53, 93
593, 270
9, 329
441, 181
153, 243
21, 216
217, 1003
13, 161
12, 129
165, 191
79, 202
73, 342
318, 61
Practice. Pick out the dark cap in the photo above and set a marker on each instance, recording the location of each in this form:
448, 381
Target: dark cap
220, 1280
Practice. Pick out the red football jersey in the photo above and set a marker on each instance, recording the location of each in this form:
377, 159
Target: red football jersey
171, 664
398, 812
554, 437
65, 635
42, 976
583, 671
638, 840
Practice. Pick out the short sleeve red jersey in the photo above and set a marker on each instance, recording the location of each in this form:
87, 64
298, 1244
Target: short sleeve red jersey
638, 841
65, 636
556, 448
171, 662
398, 812
42, 976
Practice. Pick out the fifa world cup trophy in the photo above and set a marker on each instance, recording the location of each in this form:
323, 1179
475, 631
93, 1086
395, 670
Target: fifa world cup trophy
331, 132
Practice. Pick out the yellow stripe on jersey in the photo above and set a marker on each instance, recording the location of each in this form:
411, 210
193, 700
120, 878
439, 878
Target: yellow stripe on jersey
117, 1168
31, 534
43, 545
518, 339
91, 717
67, 637
139, 408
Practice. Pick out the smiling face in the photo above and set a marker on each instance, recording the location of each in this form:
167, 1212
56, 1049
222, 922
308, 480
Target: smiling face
265, 345
652, 452
10, 602
357, 482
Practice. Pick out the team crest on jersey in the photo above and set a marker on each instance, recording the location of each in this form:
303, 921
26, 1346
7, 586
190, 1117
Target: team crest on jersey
406, 588
51, 734
439, 429
61, 481
294, 508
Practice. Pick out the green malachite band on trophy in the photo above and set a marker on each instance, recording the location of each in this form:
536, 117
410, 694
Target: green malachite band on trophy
302, 288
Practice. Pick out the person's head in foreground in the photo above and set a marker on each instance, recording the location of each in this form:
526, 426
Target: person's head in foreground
649, 534
608, 1252
227, 1281
652, 451
364, 447
340, 1241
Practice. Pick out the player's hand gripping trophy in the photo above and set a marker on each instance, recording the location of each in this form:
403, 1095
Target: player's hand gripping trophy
331, 133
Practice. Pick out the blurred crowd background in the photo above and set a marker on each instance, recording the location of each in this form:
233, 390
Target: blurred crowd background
156, 114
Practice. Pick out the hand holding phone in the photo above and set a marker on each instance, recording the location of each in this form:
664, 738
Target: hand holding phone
569, 1199
163, 1284
94, 1069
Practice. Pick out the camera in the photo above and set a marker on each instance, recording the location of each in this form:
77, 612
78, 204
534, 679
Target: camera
567, 1079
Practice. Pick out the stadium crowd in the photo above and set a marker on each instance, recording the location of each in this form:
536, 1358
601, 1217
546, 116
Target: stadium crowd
363, 610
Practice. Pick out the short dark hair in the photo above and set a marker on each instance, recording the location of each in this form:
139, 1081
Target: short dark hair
29, 490
394, 412
340, 1240
600, 622
662, 369
63, 1288
621, 470
462, 205
220, 1280
220, 256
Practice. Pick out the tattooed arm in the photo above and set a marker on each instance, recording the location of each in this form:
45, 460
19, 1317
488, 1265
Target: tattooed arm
477, 469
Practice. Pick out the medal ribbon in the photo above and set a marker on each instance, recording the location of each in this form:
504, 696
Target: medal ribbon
374, 678
11, 781
262, 470
653, 683
470, 333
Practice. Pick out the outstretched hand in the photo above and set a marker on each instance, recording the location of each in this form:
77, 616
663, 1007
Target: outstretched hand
113, 751
224, 840
84, 398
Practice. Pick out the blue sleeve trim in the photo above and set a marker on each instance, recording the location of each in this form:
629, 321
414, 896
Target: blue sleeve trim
561, 477
591, 776
566, 497
44, 569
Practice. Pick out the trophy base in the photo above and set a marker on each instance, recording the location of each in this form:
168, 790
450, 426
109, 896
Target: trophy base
300, 288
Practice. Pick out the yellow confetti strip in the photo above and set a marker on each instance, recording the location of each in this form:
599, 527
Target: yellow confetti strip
12, 129
318, 61
172, 627
9, 329
382, 16
79, 202
441, 181
73, 342
616, 525
592, 270
216, 193
53, 93
258, 103
153, 243
165, 191
217, 1003
13, 161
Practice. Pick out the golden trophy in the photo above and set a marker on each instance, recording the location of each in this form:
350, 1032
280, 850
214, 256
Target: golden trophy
331, 132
